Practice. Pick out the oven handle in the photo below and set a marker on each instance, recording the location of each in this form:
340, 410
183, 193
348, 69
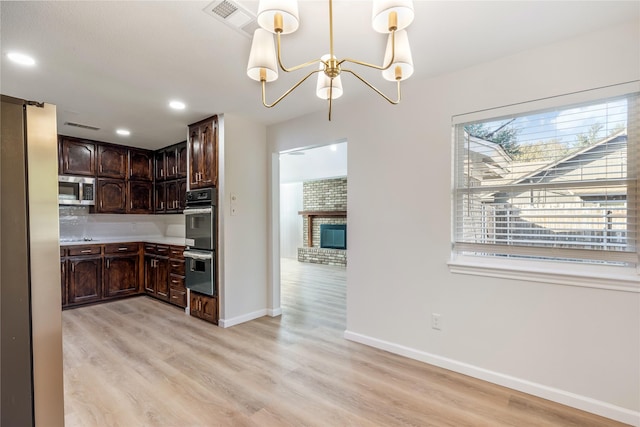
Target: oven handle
197, 255
193, 211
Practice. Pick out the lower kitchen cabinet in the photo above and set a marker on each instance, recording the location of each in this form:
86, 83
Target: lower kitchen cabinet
121, 270
177, 289
84, 279
204, 307
156, 271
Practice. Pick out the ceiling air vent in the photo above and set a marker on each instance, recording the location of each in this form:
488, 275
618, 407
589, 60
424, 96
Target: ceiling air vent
234, 15
78, 125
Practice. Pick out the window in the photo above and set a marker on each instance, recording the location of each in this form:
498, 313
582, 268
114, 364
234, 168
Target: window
550, 185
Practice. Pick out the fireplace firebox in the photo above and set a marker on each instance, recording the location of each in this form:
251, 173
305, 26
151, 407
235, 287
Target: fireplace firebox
333, 236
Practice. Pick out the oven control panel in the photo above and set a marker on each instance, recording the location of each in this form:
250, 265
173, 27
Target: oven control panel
206, 196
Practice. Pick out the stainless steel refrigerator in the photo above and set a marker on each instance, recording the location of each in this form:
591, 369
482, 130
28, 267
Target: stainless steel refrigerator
31, 386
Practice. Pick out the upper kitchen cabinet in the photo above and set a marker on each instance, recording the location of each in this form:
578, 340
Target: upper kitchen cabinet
140, 195
76, 156
112, 161
141, 165
171, 162
203, 153
112, 196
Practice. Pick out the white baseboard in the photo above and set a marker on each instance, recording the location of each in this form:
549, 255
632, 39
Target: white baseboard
556, 395
274, 312
227, 323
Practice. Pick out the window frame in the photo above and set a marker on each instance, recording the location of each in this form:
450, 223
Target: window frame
545, 271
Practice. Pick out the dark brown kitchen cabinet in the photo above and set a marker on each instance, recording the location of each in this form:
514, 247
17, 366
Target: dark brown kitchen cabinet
181, 159
177, 289
121, 269
140, 165
111, 196
156, 271
63, 279
76, 156
203, 152
182, 194
204, 307
159, 197
159, 165
84, 279
112, 161
172, 198
140, 197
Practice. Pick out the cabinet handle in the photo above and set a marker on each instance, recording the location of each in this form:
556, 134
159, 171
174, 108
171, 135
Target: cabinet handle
131, 204
100, 168
122, 249
130, 172
86, 251
100, 204
161, 205
108, 263
173, 170
73, 267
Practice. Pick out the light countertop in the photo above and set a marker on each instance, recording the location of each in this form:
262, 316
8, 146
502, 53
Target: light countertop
178, 241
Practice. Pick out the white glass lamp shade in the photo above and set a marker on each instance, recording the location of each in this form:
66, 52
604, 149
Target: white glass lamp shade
263, 55
324, 83
267, 9
401, 59
382, 9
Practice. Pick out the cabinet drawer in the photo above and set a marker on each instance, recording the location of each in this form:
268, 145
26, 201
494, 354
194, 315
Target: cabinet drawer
121, 248
176, 282
149, 248
176, 252
162, 250
63, 252
178, 297
176, 267
84, 250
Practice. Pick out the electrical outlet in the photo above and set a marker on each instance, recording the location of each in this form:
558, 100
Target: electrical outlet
436, 321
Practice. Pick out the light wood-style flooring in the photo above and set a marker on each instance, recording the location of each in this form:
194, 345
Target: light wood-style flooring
140, 362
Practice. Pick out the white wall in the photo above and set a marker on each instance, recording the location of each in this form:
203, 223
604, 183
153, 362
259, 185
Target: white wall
290, 220
572, 344
243, 236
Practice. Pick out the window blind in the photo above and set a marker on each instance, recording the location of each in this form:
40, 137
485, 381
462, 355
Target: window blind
557, 184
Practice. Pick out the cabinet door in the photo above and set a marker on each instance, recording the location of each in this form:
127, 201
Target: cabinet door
209, 137
140, 195
78, 157
209, 309
181, 159
162, 278
120, 275
195, 156
63, 281
172, 196
171, 163
112, 196
141, 165
149, 274
112, 161
160, 202
159, 165
194, 304
85, 279
182, 194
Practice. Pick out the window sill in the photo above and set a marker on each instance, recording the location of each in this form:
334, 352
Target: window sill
588, 276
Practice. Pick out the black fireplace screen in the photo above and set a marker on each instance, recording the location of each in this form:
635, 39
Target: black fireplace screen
333, 236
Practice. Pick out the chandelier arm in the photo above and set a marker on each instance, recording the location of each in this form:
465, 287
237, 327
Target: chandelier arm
264, 97
297, 67
377, 67
376, 90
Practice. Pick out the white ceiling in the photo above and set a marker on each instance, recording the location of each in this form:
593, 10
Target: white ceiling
328, 161
118, 63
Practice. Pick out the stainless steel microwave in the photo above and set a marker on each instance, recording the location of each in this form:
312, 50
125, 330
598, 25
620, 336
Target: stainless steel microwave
76, 190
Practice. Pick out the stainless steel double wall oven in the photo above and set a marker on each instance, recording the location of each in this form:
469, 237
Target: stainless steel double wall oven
201, 241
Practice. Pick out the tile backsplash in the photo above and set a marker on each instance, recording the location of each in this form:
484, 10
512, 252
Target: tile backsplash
76, 223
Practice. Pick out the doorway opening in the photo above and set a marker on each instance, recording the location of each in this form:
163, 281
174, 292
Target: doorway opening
312, 198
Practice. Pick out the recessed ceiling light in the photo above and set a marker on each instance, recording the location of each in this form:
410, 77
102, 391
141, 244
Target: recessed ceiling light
333, 147
123, 132
177, 105
21, 58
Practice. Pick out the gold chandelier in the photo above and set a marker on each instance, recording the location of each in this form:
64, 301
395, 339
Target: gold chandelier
281, 17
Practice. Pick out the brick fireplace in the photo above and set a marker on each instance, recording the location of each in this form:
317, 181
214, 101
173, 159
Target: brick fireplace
323, 202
